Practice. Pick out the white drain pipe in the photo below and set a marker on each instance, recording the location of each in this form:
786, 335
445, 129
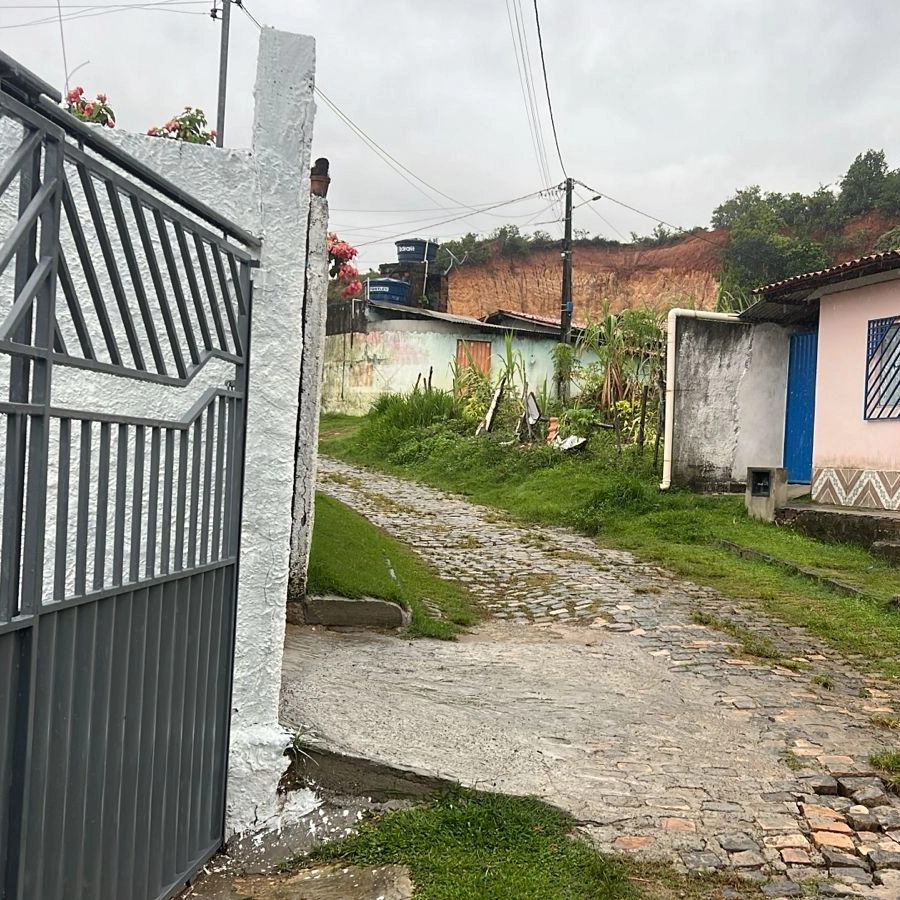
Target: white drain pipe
674, 315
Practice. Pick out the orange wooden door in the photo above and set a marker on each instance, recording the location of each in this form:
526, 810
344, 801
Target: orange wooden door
474, 353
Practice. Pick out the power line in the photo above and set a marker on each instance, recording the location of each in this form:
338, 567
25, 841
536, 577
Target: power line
526, 86
526, 53
62, 40
253, 19
386, 157
403, 171
456, 218
646, 215
481, 208
589, 201
537, 19
90, 12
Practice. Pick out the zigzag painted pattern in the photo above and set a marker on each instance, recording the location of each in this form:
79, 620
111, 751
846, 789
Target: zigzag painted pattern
866, 488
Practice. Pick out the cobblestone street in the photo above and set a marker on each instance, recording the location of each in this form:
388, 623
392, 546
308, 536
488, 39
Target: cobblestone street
590, 684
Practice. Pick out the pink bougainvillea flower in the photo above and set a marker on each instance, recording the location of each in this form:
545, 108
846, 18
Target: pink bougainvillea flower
101, 98
347, 271
351, 289
88, 108
212, 132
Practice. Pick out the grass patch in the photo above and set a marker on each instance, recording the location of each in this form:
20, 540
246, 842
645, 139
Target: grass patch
884, 721
750, 644
351, 557
886, 760
482, 846
333, 426
824, 681
616, 499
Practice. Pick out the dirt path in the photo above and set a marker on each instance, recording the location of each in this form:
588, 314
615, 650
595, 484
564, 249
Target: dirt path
592, 687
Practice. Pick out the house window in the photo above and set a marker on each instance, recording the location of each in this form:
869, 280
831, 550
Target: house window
476, 354
883, 369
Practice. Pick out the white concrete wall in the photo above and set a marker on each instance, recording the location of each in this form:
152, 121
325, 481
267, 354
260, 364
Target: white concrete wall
265, 190
389, 359
730, 390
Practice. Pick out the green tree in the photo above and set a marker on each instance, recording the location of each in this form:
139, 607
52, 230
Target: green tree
863, 183
890, 240
889, 194
744, 200
760, 252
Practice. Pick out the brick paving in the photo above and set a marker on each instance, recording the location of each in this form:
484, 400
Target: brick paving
731, 761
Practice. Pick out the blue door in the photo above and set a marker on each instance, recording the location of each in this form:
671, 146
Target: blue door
801, 406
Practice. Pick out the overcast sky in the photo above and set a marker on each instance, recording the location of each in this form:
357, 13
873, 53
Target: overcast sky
668, 107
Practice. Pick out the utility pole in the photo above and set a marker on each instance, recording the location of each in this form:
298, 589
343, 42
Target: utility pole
565, 316
223, 70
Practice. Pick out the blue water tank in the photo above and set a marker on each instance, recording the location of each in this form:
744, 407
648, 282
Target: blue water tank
416, 250
393, 290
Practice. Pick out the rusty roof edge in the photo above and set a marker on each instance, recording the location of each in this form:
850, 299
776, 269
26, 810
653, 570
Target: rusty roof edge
809, 281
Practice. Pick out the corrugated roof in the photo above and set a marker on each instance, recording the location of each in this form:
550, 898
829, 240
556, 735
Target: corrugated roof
530, 317
855, 268
417, 312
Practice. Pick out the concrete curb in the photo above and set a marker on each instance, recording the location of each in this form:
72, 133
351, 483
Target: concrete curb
331, 771
336, 612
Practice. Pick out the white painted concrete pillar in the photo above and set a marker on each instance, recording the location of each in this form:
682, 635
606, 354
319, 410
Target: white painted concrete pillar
314, 313
282, 137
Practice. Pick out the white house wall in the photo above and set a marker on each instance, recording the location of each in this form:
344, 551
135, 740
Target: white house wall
394, 355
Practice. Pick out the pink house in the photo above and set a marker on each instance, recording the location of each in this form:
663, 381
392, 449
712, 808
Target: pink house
842, 398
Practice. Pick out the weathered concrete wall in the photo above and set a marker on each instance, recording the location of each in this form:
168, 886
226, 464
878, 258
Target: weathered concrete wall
361, 367
730, 389
856, 462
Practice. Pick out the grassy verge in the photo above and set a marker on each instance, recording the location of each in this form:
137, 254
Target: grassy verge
351, 557
616, 499
481, 846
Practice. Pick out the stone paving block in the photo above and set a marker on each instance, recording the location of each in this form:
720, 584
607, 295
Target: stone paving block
735, 843
890, 879
862, 819
884, 859
822, 784
888, 817
777, 823
822, 823
842, 860
851, 876
778, 889
839, 766
870, 796
830, 839
783, 841
631, 842
836, 890
701, 860
795, 856
673, 823
850, 784
747, 859
811, 809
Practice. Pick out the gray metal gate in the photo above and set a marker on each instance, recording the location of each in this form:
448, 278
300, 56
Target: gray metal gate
124, 326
